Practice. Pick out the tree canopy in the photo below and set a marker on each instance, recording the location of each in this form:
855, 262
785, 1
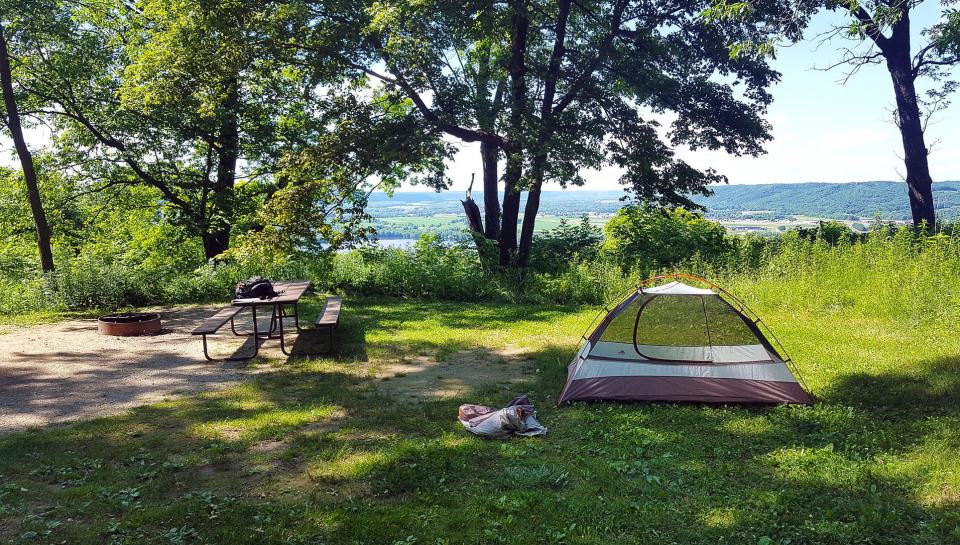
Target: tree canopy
267, 124
554, 88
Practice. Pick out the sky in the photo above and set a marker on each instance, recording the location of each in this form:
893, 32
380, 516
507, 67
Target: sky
823, 130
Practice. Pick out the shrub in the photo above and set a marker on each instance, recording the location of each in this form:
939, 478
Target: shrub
83, 284
555, 250
655, 238
901, 275
429, 270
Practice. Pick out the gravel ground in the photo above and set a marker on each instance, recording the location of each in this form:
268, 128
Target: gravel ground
68, 371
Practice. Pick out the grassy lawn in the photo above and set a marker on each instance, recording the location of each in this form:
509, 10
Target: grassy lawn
311, 453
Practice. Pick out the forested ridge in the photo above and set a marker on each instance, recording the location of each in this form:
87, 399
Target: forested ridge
850, 200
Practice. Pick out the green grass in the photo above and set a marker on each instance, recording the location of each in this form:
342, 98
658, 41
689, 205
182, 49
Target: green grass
310, 453
41, 317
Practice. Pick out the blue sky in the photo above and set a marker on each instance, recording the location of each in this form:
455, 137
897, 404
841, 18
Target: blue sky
823, 131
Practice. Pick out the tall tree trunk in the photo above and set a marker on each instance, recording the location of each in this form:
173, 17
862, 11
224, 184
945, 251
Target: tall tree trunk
26, 159
511, 209
529, 222
217, 238
519, 27
919, 181
486, 112
491, 198
538, 169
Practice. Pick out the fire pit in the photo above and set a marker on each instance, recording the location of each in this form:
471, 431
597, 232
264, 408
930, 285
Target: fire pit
127, 325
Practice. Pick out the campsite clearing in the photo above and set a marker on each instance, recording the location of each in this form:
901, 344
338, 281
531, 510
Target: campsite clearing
311, 450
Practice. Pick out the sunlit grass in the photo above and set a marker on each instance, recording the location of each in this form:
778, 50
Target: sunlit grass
310, 452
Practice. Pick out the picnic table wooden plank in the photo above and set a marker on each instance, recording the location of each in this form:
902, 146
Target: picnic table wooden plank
289, 293
212, 324
330, 316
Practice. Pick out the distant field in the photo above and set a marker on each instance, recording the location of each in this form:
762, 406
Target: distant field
449, 225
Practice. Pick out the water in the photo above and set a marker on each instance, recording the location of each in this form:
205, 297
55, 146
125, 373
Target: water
402, 243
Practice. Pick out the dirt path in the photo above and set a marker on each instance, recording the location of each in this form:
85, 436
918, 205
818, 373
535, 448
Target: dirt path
68, 371
425, 378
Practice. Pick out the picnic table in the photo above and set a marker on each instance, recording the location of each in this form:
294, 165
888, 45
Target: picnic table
284, 305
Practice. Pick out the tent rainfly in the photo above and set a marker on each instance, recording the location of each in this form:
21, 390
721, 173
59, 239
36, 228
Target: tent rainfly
677, 342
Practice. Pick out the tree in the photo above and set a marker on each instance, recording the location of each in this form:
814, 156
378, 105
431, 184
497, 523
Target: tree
322, 189
556, 249
885, 27
205, 102
15, 127
576, 85
182, 97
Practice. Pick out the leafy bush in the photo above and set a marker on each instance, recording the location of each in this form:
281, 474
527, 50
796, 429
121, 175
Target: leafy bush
594, 282
428, 270
654, 238
555, 250
832, 232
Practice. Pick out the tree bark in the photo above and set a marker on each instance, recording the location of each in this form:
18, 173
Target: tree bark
546, 133
919, 182
491, 198
470, 208
26, 159
511, 210
216, 239
519, 28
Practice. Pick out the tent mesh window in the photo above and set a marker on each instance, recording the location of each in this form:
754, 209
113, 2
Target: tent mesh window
681, 328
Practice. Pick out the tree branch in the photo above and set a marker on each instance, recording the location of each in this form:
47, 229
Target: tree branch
603, 51
463, 133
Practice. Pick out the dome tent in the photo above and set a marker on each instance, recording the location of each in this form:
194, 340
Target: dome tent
678, 342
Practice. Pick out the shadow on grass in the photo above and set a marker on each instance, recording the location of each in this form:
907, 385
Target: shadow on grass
928, 387
313, 453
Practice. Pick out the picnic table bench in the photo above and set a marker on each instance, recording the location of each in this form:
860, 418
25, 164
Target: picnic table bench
329, 317
284, 305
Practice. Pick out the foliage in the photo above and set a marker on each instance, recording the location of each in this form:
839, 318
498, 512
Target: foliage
659, 238
897, 275
212, 106
429, 270
555, 250
831, 232
557, 88
128, 259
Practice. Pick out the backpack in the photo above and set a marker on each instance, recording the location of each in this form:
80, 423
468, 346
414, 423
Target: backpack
255, 287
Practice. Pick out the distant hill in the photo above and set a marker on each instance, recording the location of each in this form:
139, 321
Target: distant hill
846, 201
825, 200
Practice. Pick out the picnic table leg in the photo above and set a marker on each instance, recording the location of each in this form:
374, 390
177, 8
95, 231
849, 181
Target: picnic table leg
273, 321
233, 328
296, 317
295, 314
206, 353
283, 347
255, 336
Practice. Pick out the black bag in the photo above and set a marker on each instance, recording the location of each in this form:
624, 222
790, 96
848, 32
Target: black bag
255, 288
